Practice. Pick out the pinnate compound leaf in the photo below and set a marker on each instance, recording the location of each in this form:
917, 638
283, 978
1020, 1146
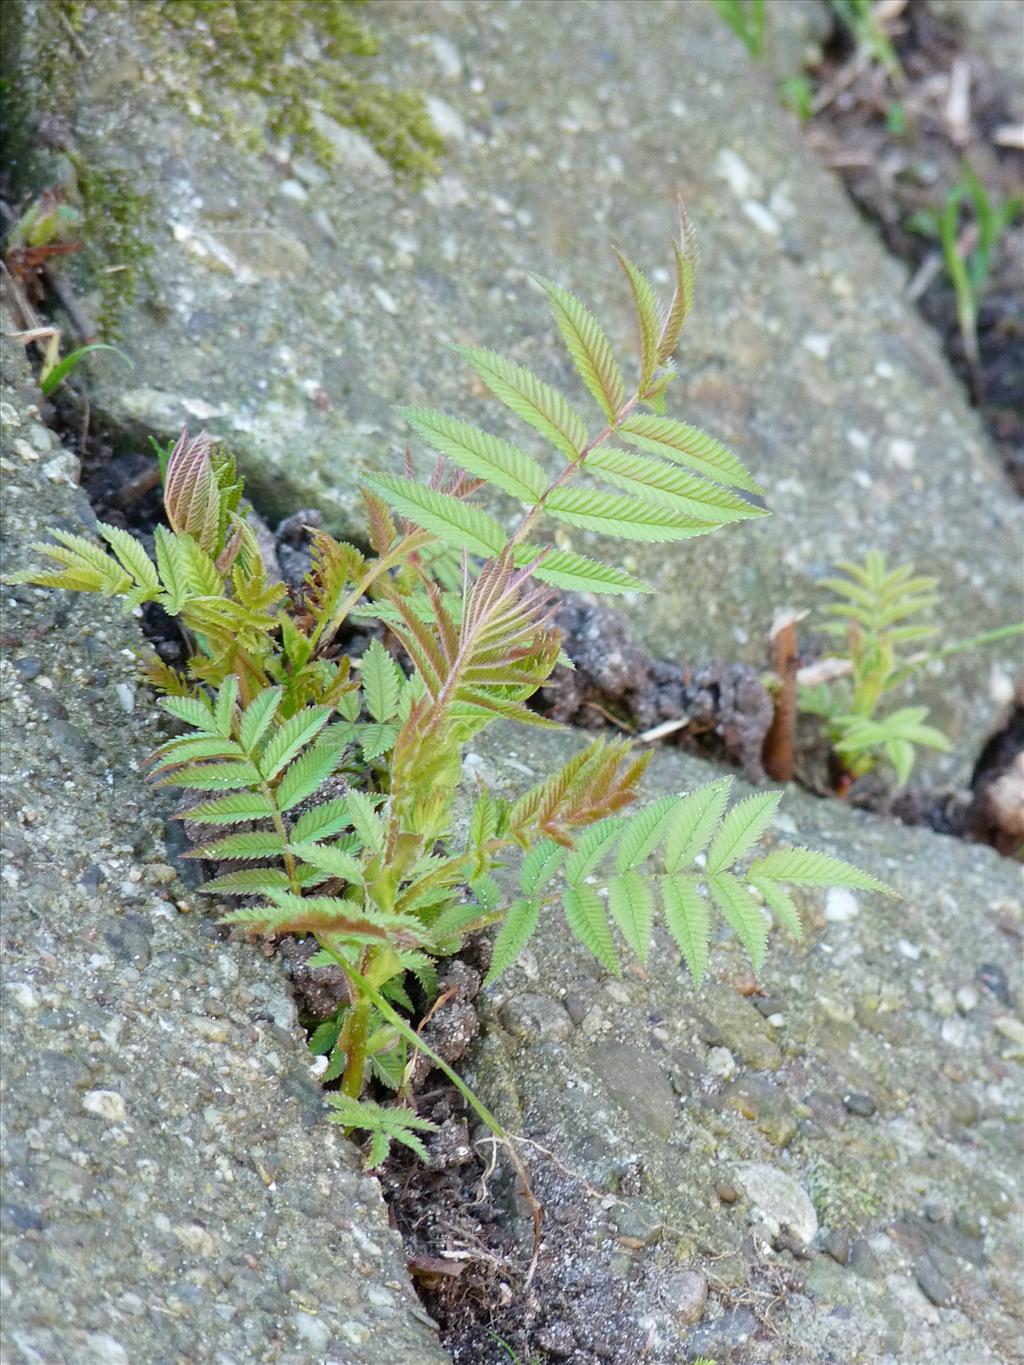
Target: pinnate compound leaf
644, 832
585, 916
384, 1125
321, 822
624, 518
686, 914
780, 903
687, 445
292, 736
631, 903
590, 349
258, 717
479, 453
805, 867
382, 681
231, 810
453, 521
515, 933
695, 821
741, 829
742, 912
537, 403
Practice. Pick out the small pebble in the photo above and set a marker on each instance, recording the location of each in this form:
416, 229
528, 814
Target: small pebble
837, 1244
686, 1295
862, 1105
727, 1193
931, 1283
105, 1104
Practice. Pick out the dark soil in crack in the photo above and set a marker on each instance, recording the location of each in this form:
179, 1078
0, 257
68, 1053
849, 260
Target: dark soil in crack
899, 149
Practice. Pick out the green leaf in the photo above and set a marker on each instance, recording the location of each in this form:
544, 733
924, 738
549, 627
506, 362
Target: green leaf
669, 485
778, 900
214, 776
647, 316
383, 1124
585, 916
577, 573
592, 846
292, 736
516, 932
173, 568
687, 445
623, 518
324, 1037
231, 810
453, 521
60, 372
194, 746
255, 844
686, 914
696, 819
375, 740
805, 867
250, 881
741, 829
382, 681
632, 907
311, 770
133, 557
336, 862
258, 717
224, 706
365, 821
643, 833
539, 866
537, 403
590, 349
742, 912
320, 822
195, 711
481, 454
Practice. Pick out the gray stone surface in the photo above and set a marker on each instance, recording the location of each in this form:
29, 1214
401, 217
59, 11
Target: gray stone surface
292, 307
875, 1238
171, 1188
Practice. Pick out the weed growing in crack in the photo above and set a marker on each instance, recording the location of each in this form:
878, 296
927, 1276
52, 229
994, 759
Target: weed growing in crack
873, 620
327, 786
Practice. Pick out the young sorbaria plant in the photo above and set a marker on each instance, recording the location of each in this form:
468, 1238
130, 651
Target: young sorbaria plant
873, 622
329, 783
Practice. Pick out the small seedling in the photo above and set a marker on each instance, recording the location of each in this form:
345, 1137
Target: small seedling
873, 620
52, 376
968, 253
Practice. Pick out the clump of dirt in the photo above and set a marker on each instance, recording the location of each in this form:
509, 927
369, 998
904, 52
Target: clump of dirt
899, 148
720, 711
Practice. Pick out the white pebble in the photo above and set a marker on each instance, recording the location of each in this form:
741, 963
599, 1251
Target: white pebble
106, 1104
840, 905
